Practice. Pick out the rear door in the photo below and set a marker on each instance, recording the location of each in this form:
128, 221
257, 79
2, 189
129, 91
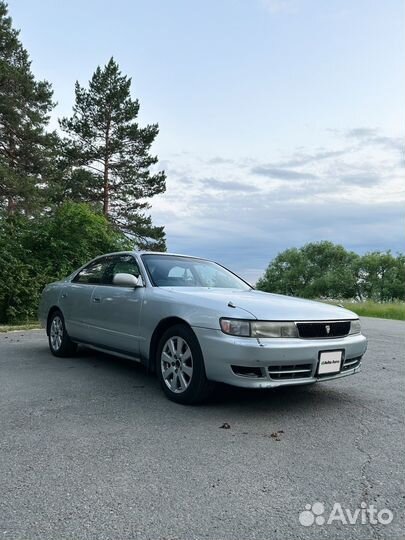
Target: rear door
76, 298
115, 310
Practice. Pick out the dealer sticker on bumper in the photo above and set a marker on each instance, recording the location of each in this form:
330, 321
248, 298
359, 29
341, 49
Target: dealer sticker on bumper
329, 362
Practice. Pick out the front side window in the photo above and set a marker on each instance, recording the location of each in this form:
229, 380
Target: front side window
174, 271
121, 264
93, 273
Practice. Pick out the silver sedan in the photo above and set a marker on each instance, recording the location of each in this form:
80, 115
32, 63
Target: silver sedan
194, 322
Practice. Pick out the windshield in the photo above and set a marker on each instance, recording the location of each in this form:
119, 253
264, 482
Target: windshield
174, 271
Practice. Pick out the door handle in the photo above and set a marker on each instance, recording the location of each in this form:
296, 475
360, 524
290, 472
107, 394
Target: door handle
96, 299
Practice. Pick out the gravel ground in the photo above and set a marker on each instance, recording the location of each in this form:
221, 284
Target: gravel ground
91, 449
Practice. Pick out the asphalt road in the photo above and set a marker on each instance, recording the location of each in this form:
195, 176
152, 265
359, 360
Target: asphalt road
91, 449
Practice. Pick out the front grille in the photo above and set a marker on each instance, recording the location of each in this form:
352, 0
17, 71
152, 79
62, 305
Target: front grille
290, 371
351, 363
313, 330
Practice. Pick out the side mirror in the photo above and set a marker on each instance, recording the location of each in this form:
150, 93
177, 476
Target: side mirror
127, 280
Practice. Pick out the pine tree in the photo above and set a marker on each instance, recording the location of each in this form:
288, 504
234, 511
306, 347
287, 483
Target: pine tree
106, 141
25, 104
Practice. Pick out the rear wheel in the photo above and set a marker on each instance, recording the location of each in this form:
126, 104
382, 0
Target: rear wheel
180, 366
60, 343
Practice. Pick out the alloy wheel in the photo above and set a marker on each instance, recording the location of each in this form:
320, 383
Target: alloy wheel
176, 363
56, 333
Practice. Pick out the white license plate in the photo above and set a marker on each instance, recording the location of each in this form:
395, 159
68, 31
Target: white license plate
329, 362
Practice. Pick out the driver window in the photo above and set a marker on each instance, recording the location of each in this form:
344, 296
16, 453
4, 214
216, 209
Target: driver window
93, 273
122, 264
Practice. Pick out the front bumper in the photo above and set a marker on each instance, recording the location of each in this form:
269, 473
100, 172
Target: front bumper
274, 362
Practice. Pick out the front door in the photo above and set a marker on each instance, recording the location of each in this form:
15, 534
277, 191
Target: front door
115, 310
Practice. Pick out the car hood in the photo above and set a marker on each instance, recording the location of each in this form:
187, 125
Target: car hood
261, 305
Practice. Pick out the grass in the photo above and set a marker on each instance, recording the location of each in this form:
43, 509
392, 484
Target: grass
14, 327
388, 310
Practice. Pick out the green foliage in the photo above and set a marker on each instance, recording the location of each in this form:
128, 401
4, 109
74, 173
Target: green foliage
64, 202
326, 270
110, 154
382, 276
71, 236
26, 149
38, 250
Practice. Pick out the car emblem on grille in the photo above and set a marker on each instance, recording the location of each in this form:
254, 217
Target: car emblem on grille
327, 328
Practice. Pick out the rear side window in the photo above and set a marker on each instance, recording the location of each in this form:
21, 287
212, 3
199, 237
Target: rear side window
93, 273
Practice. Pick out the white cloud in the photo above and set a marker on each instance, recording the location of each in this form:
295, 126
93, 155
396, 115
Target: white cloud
244, 212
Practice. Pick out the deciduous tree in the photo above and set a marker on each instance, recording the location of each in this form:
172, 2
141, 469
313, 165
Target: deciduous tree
41, 249
316, 270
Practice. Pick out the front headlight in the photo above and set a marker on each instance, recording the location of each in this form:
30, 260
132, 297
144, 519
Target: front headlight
258, 329
355, 327
264, 329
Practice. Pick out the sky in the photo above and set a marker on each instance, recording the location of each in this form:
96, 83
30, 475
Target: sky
281, 121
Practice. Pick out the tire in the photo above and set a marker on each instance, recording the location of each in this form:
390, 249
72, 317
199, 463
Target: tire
60, 343
180, 366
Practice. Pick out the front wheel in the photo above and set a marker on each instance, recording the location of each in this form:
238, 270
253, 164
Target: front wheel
60, 343
180, 366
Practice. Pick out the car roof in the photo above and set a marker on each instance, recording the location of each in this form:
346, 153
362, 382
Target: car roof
143, 252
164, 253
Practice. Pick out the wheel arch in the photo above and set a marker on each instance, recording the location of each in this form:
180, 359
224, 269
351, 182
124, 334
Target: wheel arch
163, 325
